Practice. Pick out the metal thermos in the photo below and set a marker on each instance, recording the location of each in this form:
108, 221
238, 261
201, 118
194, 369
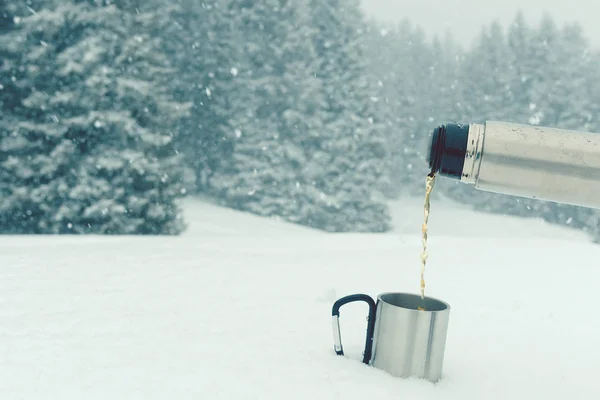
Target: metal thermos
521, 160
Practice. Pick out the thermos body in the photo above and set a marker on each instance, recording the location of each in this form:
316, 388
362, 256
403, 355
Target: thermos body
521, 160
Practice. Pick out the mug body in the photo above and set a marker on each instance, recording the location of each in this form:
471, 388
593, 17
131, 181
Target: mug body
409, 339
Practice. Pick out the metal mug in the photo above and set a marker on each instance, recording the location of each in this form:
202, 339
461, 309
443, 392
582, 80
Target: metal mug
406, 334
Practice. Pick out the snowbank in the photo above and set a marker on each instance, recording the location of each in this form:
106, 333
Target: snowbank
239, 308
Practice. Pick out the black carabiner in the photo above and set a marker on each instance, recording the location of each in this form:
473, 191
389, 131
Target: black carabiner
337, 336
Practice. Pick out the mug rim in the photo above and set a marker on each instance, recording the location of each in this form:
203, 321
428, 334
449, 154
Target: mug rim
413, 295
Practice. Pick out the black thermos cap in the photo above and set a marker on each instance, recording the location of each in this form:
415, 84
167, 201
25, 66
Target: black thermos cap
447, 150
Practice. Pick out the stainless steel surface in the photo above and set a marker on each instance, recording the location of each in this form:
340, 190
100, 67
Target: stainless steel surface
535, 162
408, 342
337, 335
473, 153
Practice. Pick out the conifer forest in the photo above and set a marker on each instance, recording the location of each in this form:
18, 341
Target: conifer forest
114, 111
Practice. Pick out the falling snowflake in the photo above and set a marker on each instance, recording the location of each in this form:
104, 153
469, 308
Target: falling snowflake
234, 71
536, 118
208, 92
238, 133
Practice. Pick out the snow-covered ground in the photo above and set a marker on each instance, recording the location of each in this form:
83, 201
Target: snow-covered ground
240, 308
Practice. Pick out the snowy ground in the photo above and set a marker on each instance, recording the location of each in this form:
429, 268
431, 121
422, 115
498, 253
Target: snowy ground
239, 308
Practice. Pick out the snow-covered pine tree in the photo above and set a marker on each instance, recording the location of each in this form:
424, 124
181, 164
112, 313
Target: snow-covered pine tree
7, 15
592, 93
12, 90
8, 53
486, 75
273, 106
523, 66
571, 64
543, 45
10, 50
346, 160
375, 38
572, 99
201, 43
92, 151
394, 53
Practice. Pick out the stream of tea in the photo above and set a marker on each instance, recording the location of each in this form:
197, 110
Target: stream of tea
429, 183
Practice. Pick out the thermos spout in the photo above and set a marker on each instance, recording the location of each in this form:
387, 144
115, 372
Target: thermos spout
521, 160
447, 150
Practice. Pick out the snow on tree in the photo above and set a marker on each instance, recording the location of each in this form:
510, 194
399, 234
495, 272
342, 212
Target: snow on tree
524, 65
393, 53
486, 74
347, 159
273, 99
203, 48
91, 151
419, 90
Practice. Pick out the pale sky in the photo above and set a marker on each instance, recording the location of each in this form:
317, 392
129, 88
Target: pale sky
465, 17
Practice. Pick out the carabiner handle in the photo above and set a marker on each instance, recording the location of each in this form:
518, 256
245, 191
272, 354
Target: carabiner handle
337, 335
